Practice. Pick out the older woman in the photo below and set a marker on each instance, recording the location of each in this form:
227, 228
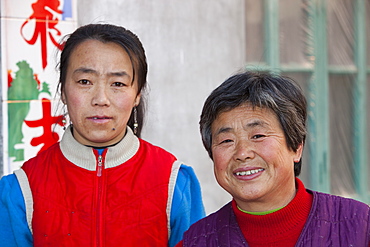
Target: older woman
253, 127
101, 185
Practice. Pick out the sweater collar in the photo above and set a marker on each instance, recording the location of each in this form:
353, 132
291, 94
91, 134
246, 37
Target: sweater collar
281, 223
84, 156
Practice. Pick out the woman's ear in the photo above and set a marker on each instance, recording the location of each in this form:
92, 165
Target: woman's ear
298, 153
63, 98
137, 99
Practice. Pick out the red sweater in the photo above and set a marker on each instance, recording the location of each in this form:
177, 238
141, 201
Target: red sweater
281, 228
284, 226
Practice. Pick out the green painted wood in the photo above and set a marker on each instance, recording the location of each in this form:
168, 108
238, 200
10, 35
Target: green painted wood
359, 123
318, 103
343, 70
271, 27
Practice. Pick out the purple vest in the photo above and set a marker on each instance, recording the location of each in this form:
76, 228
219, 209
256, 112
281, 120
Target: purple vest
333, 221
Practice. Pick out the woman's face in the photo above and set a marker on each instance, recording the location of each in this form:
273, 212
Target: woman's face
251, 158
99, 92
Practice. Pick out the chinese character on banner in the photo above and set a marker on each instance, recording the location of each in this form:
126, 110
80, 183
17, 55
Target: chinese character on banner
45, 14
32, 113
46, 122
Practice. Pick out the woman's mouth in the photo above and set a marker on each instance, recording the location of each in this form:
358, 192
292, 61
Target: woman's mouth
100, 119
248, 174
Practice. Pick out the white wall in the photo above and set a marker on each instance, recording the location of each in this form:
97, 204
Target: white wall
192, 46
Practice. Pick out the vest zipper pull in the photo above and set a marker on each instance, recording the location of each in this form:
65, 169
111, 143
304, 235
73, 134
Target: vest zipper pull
100, 165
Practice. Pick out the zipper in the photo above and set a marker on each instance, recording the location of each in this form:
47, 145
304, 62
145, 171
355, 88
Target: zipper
100, 166
99, 202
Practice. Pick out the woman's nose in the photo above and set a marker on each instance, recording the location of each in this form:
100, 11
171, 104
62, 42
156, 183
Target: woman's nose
243, 151
100, 97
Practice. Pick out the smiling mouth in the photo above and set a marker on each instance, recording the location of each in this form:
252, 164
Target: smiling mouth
249, 172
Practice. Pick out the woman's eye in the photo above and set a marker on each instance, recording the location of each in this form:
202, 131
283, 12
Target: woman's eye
118, 84
84, 81
226, 141
258, 136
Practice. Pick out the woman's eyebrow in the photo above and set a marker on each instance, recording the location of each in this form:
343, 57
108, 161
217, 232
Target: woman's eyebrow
84, 70
256, 123
119, 74
223, 130
92, 71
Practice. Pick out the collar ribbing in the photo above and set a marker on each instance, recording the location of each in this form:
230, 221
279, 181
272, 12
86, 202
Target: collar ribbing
84, 157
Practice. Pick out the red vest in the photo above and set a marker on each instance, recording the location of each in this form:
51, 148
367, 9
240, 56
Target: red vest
121, 206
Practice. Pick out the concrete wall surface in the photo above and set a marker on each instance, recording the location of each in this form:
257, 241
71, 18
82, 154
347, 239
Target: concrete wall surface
192, 46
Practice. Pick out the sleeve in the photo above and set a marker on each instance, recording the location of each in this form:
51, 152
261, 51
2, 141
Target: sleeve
14, 230
187, 204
